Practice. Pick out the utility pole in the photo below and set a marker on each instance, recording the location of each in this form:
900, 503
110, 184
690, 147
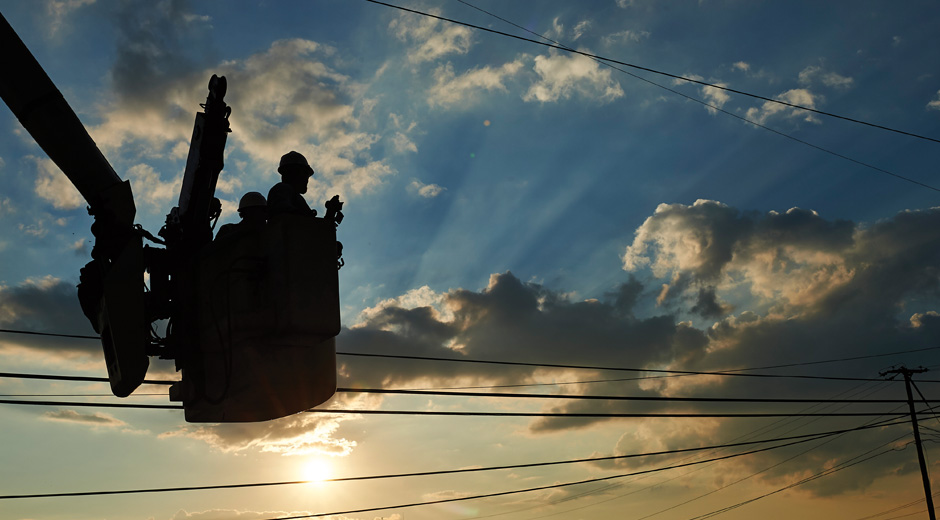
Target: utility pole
906, 372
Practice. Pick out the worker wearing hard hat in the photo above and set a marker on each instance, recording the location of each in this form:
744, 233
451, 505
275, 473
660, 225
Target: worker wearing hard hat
287, 195
253, 210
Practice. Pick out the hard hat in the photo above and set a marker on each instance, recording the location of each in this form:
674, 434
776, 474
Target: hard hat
292, 160
252, 199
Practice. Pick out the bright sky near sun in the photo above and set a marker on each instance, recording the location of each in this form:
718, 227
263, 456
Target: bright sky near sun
508, 201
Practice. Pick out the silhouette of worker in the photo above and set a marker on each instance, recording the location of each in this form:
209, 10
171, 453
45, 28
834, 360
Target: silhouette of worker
287, 195
253, 210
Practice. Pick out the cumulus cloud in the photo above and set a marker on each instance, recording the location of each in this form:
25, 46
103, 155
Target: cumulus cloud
53, 186
774, 287
798, 96
811, 74
742, 66
450, 89
430, 39
793, 258
287, 97
562, 76
714, 96
428, 191
159, 193
935, 104
512, 320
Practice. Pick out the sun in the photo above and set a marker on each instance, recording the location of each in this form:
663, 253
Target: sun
317, 470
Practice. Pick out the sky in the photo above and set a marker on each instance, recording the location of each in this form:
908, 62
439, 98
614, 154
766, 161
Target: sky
513, 202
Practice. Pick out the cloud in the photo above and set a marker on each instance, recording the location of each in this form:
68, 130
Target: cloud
810, 74
832, 79
793, 258
58, 10
429, 40
935, 104
799, 96
156, 194
742, 66
53, 186
626, 36
428, 191
96, 419
235, 514
298, 434
562, 76
151, 48
45, 305
774, 287
717, 97
582, 27
80, 247
285, 98
511, 320
450, 89
402, 143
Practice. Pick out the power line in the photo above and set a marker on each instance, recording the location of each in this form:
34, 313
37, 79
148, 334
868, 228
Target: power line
802, 438
406, 391
753, 434
93, 405
89, 379
539, 488
74, 336
898, 508
710, 105
654, 71
81, 395
754, 474
672, 373
732, 373
422, 392
839, 467
605, 415
396, 391
471, 413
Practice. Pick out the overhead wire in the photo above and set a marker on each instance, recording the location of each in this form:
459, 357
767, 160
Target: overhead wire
711, 106
527, 490
826, 472
465, 413
88, 379
798, 438
898, 508
534, 395
765, 429
749, 476
587, 397
659, 72
729, 372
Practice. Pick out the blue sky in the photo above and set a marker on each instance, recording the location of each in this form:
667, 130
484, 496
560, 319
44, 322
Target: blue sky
506, 201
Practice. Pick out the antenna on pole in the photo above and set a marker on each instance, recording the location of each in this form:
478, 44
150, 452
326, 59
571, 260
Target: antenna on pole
906, 372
